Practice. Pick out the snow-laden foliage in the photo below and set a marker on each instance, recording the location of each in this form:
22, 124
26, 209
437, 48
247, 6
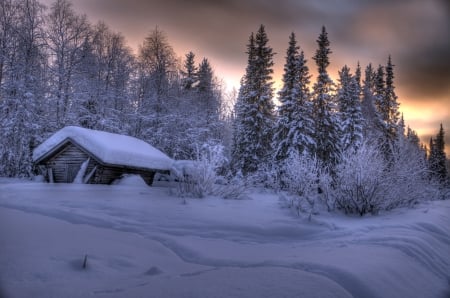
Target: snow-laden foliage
204, 175
189, 72
306, 181
57, 69
359, 180
294, 128
326, 133
197, 178
253, 127
437, 159
385, 101
351, 120
406, 177
366, 182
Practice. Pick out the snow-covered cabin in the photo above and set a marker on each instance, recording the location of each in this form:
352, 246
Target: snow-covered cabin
106, 157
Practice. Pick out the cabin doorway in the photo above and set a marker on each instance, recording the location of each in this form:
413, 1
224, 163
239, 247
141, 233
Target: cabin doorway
71, 172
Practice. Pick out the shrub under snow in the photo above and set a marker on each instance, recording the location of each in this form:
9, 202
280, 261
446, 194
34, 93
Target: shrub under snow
199, 178
366, 182
359, 181
306, 181
406, 177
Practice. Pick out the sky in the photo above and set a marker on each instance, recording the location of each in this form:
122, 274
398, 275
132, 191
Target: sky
414, 32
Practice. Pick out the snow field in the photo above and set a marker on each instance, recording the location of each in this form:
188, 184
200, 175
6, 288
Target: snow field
142, 242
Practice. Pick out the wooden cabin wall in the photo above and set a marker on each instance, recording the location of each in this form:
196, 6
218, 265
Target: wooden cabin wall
67, 163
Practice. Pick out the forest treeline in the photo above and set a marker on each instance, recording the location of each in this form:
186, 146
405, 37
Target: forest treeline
58, 69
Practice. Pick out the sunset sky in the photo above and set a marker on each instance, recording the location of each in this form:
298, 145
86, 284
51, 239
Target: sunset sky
415, 32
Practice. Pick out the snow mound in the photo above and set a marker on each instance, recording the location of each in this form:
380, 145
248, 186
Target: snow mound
110, 148
130, 180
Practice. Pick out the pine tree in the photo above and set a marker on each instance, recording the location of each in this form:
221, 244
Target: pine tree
350, 110
391, 102
326, 133
358, 77
379, 92
369, 79
412, 137
373, 127
437, 159
254, 108
387, 106
208, 99
401, 128
205, 77
189, 72
294, 127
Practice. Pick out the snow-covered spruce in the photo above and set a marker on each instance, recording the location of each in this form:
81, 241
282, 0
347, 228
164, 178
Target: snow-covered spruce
253, 125
294, 128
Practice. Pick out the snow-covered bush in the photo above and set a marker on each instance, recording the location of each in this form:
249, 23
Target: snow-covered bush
367, 182
197, 178
306, 182
234, 188
267, 176
359, 181
406, 177
201, 177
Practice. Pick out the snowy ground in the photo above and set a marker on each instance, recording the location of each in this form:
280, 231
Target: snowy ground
142, 242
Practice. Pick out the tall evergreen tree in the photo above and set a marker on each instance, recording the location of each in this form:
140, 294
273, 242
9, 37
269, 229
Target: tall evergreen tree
412, 137
208, 99
401, 128
437, 159
294, 127
205, 77
326, 133
379, 90
255, 108
373, 125
358, 77
390, 98
369, 79
387, 106
189, 72
350, 110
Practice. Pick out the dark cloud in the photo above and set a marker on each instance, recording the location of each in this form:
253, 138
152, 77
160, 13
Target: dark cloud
426, 71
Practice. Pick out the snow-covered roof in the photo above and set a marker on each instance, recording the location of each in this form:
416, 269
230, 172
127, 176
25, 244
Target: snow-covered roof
110, 148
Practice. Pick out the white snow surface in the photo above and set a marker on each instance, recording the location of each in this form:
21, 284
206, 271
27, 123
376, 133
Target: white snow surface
142, 242
109, 147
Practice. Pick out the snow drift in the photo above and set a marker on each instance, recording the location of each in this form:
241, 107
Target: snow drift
141, 242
